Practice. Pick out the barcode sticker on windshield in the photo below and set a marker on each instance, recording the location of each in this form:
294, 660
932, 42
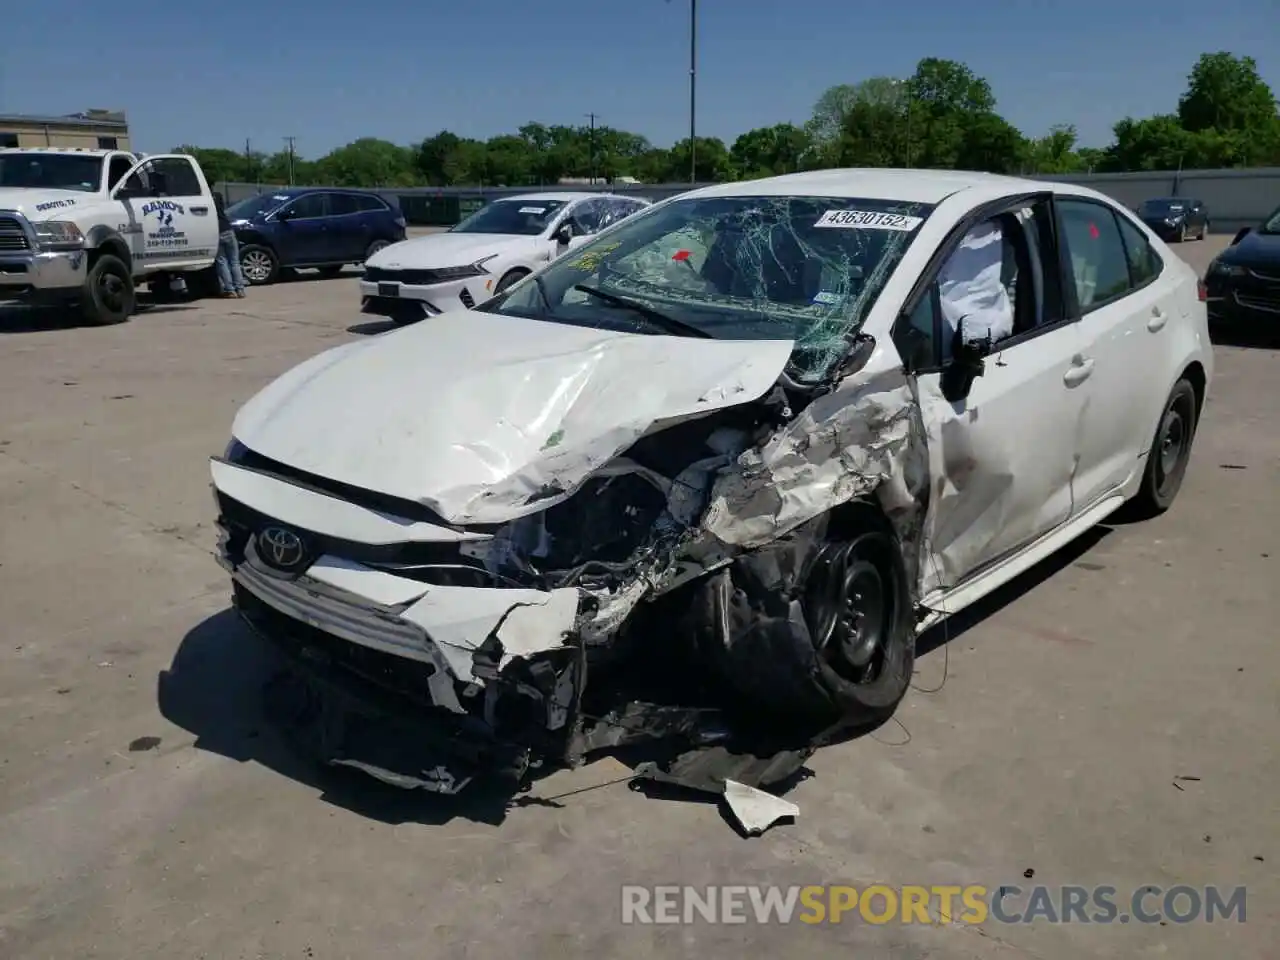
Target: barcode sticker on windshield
533, 209
868, 220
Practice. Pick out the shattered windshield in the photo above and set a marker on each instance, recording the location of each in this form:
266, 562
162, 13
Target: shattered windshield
525, 218
54, 171
741, 268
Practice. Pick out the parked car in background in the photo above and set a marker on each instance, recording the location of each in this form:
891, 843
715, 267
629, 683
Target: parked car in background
303, 228
1175, 218
762, 435
1243, 282
498, 245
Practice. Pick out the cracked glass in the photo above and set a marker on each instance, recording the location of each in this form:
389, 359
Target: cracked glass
796, 268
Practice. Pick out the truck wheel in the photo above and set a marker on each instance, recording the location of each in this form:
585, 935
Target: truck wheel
109, 296
258, 264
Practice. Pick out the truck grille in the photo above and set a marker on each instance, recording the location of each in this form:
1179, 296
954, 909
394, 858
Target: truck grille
12, 236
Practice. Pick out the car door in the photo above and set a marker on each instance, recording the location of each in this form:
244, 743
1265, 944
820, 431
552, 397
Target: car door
302, 231
1002, 457
350, 229
169, 211
1124, 307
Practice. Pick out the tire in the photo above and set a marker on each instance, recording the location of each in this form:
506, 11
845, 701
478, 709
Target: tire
1182, 233
259, 264
202, 284
374, 247
509, 280
1204, 230
852, 665
109, 295
331, 271
1169, 454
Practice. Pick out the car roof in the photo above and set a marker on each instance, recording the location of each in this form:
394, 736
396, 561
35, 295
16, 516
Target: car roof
68, 151
567, 196
909, 186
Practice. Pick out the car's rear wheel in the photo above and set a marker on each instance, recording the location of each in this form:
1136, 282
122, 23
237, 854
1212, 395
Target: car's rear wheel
259, 264
375, 247
1169, 454
509, 280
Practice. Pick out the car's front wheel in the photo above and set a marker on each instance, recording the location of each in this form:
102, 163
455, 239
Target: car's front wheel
109, 295
850, 659
1169, 454
259, 264
509, 280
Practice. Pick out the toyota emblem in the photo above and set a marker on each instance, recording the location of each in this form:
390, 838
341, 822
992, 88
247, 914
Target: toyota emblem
282, 548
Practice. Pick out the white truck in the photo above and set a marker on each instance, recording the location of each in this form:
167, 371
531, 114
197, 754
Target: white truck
87, 226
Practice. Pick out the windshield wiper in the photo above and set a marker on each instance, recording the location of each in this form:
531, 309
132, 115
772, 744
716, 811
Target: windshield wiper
671, 325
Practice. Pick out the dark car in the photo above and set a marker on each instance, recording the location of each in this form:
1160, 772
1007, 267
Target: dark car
326, 229
1243, 282
1175, 218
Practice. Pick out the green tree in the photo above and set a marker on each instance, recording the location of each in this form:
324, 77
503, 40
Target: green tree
368, 162
945, 98
222, 165
767, 151
711, 161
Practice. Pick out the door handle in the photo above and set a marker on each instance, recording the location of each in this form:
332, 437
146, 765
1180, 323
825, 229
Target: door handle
1079, 371
199, 211
1158, 319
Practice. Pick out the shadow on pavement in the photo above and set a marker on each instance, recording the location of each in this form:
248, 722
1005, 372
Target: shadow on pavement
16, 318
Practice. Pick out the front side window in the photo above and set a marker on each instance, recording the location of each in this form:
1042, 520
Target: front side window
340, 204
1099, 264
310, 205
120, 166
51, 171
523, 218
796, 268
177, 175
251, 207
1272, 223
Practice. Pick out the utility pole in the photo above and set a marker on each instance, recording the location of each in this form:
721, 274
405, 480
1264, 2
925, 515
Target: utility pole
248, 162
693, 90
289, 141
592, 141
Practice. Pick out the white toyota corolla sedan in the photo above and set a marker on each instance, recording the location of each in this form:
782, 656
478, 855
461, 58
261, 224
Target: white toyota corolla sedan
738, 453
484, 254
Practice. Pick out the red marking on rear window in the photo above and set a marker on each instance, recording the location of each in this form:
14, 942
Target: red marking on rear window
1093, 231
680, 255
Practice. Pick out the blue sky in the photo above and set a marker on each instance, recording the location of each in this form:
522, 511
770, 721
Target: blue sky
328, 72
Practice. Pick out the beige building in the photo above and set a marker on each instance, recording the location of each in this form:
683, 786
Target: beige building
93, 129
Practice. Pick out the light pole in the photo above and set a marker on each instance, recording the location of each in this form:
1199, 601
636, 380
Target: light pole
905, 85
693, 91
592, 147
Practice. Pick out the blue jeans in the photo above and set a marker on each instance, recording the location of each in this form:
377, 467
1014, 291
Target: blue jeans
230, 277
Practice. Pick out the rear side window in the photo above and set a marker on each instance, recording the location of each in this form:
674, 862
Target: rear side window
1144, 263
370, 204
343, 203
1099, 263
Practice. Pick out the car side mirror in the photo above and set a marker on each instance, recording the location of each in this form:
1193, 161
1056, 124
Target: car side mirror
967, 363
564, 233
1240, 235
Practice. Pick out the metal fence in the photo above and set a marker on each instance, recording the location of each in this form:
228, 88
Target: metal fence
1235, 198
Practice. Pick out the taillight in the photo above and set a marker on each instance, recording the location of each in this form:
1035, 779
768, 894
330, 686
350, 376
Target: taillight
1201, 291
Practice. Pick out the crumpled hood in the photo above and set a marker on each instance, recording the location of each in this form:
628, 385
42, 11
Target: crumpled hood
485, 418
445, 250
25, 201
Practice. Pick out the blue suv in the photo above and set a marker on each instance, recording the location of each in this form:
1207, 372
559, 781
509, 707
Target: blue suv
326, 229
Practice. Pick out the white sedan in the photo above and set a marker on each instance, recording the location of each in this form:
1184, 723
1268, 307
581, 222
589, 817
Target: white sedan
761, 433
486, 253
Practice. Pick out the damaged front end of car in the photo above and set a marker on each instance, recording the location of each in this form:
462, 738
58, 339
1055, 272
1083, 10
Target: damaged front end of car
694, 588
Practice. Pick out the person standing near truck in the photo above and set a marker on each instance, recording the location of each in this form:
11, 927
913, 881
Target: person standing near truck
230, 277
